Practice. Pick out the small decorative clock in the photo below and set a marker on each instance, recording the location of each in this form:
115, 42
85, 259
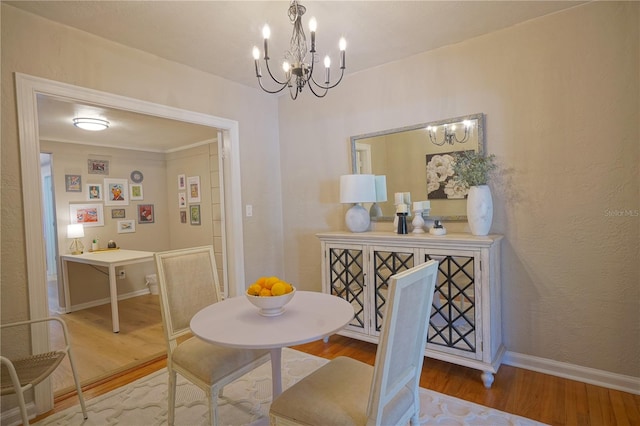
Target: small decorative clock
137, 176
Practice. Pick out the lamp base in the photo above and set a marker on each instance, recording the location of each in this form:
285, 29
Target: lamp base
76, 247
357, 219
375, 210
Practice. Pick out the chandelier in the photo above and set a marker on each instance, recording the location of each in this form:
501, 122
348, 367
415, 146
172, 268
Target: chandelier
297, 72
449, 134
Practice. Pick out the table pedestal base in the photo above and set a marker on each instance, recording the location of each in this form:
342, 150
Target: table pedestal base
276, 372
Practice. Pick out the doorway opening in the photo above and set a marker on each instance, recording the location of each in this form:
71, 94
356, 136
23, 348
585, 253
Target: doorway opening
28, 88
49, 231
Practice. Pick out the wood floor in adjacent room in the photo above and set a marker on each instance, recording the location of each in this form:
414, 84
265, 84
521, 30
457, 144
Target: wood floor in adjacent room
538, 396
99, 352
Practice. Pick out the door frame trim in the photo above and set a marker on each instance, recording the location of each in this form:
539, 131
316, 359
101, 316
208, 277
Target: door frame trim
27, 89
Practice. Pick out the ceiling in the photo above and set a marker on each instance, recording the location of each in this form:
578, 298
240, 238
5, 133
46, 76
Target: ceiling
217, 37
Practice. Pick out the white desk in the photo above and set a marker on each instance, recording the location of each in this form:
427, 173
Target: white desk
307, 317
110, 259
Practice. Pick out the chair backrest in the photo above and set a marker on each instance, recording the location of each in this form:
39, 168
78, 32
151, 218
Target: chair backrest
400, 352
187, 282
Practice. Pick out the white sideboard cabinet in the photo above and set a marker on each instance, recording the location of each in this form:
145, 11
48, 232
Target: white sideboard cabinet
465, 326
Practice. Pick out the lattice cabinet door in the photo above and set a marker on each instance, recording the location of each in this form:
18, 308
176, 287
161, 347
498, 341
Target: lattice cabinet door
344, 273
455, 325
385, 262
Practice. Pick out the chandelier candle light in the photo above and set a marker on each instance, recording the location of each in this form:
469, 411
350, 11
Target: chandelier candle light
298, 73
450, 136
357, 189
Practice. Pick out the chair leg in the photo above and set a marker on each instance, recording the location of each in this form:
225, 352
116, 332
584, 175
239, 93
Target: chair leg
76, 379
415, 419
213, 405
23, 407
172, 397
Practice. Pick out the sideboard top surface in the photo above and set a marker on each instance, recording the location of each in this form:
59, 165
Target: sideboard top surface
454, 239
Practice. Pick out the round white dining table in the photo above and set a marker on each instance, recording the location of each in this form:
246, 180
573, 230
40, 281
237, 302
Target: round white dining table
235, 322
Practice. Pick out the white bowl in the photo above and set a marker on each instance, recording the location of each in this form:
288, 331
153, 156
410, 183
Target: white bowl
271, 306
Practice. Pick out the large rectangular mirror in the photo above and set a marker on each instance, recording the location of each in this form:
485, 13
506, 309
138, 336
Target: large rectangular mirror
416, 158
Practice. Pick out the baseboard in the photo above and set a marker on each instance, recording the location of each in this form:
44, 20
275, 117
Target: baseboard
106, 300
574, 372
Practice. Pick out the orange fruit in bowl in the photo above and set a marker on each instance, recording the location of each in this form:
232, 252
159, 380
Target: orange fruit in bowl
278, 289
254, 289
269, 282
265, 292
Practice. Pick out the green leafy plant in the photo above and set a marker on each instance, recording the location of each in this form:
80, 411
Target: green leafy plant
472, 168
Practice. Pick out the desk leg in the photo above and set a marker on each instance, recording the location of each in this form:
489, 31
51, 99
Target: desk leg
113, 290
276, 371
65, 284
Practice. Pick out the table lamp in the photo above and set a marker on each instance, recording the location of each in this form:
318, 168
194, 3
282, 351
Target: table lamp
76, 231
357, 189
381, 196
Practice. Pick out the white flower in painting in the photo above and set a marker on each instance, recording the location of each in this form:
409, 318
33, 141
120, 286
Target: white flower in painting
442, 166
433, 184
455, 189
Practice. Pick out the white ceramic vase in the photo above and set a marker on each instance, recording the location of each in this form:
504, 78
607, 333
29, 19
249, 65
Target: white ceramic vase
479, 209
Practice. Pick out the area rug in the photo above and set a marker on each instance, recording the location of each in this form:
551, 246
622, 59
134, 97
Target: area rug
246, 402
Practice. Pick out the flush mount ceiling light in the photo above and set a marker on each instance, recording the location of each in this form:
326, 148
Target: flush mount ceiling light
93, 124
297, 73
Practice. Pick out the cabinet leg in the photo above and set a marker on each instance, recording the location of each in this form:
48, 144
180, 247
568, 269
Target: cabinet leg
487, 379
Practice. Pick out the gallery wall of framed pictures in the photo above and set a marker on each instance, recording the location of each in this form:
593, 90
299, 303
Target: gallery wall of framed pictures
131, 196
106, 195
114, 193
189, 196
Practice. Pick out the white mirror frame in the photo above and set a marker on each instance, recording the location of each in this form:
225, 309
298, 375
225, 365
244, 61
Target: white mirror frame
27, 90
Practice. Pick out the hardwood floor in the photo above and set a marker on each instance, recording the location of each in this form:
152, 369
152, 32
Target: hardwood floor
538, 396
101, 353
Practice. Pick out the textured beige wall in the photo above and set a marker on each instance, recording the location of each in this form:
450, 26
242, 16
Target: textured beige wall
560, 96
199, 161
192, 162
38, 47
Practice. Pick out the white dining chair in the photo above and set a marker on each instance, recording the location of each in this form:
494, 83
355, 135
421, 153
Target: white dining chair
349, 392
19, 374
188, 282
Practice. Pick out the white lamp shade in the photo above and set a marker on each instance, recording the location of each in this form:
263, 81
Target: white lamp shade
381, 189
75, 230
357, 189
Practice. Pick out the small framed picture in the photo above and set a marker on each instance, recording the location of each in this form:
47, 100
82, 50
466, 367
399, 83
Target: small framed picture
193, 190
73, 183
194, 213
182, 182
94, 192
98, 167
116, 192
145, 213
135, 192
182, 200
87, 214
126, 226
118, 213
183, 216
